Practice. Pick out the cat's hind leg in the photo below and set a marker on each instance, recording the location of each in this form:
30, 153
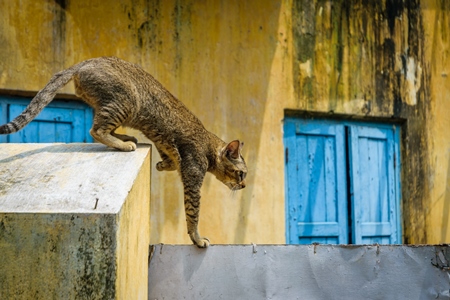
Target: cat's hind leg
103, 131
167, 163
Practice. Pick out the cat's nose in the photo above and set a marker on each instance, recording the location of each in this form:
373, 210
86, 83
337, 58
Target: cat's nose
242, 184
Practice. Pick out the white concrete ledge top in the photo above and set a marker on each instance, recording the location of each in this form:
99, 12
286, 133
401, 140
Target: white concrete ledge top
66, 178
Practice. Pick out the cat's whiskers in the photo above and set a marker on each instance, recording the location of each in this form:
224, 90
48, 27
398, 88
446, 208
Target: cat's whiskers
233, 188
232, 193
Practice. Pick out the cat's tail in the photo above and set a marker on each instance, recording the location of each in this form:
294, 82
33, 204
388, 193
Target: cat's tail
42, 99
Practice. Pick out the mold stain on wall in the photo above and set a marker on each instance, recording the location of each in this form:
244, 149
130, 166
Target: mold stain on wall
59, 24
367, 59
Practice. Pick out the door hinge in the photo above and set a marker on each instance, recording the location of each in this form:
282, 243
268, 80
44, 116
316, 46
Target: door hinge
286, 155
395, 160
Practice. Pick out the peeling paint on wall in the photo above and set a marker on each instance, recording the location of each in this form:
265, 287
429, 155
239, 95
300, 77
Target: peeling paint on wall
412, 81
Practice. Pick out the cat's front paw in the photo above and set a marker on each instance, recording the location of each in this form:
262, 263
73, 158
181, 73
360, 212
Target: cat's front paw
125, 146
202, 242
129, 146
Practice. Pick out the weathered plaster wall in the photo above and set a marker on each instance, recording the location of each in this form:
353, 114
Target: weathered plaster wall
238, 64
49, 254
74, 229
384, 59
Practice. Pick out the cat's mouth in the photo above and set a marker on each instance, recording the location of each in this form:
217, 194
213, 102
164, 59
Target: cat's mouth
235, 186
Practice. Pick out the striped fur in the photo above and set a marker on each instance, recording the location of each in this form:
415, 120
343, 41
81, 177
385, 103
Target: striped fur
123, 94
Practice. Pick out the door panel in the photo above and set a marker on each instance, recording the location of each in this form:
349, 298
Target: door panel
372, 176
315, 167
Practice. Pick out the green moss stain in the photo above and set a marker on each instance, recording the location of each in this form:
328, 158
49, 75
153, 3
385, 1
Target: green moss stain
304, 39
416, 188
97, 260
182, 34
75, 255
303, 26
59, 30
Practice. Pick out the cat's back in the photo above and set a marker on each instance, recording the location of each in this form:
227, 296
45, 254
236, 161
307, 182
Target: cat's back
107, 77
112, 69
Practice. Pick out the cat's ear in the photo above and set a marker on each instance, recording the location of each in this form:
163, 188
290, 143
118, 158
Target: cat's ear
233, 149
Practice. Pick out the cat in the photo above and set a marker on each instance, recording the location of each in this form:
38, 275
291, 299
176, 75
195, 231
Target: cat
123, 94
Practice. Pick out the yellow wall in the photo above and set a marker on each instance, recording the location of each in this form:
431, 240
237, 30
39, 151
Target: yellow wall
133, 237
437, 33
237, 65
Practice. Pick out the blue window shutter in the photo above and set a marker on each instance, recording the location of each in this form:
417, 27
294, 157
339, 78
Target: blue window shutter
62, 122
375, 198
316, 208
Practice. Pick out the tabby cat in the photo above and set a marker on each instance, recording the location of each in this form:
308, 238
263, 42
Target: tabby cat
123, 94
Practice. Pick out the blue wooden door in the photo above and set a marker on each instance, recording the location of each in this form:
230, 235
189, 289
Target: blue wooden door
60, 121
342, 182
374, 185
315, 169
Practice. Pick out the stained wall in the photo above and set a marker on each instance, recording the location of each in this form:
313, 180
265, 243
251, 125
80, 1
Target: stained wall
389, 60
71, 229
238, 65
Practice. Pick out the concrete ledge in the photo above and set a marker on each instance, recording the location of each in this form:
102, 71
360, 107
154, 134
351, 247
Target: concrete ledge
74, 222
299, 272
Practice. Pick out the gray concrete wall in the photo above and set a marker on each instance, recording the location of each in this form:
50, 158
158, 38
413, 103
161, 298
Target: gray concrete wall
74, 222
299, 272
